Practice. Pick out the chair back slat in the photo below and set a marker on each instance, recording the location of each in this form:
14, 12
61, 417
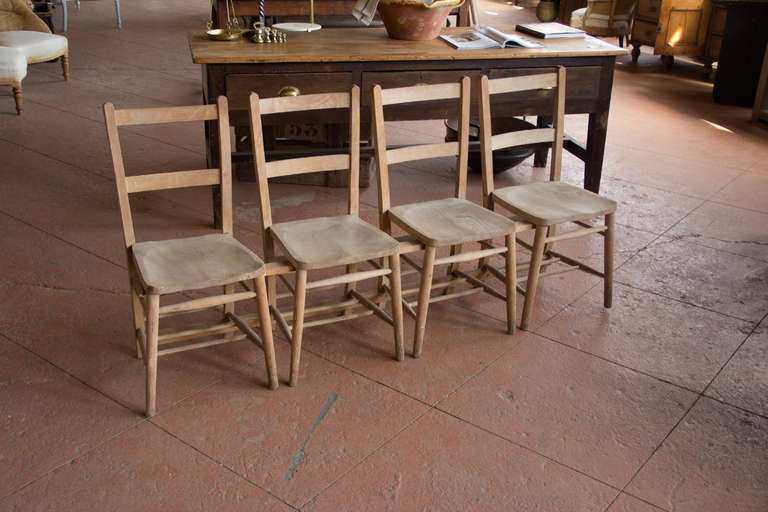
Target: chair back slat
294, 166
457, 91
175, 179
168, 180
421, 152
309, 102
522, 83
490, 142
522, 138
414, 93
260, 107
163, 115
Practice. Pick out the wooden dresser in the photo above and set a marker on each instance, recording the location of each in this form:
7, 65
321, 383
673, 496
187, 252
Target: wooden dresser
678, 27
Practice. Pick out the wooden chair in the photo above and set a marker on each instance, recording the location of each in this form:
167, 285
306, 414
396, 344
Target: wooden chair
164, 267
452, 221
544, 205
325, 242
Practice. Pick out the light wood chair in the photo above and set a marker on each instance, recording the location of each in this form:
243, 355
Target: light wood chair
449, 222
162, 267
544, 205
324, 242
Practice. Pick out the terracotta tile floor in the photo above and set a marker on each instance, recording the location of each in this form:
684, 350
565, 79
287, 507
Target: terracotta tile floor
656, 404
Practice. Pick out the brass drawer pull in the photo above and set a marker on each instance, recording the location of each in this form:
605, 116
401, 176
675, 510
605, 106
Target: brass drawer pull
289, 90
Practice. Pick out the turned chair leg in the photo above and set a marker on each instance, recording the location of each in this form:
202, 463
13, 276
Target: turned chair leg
153, 323
265, 322
396, 297
17, 97
300, 296
608, 260
425, 287
65, 66
511, 269
537, 253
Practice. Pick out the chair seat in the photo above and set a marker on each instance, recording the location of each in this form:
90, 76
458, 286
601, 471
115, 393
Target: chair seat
13, 64
450, 221
36, 46
549, 202
329, 241
170, 266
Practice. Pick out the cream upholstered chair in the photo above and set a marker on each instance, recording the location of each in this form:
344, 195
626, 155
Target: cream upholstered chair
197, 263
449, 222
21, 29
13, 68
544, 204
605, 18
316, 243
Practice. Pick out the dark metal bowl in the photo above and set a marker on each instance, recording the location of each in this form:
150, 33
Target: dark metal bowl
503, 159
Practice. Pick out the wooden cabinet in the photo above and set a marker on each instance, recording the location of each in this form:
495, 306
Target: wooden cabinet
672, 27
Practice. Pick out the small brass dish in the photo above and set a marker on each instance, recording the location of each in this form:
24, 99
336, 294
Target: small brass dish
223, 34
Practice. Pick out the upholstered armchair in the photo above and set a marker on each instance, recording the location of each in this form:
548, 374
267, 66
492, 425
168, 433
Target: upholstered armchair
23, 33
605, 18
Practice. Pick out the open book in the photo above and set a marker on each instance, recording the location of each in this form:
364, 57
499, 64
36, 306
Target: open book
488, 37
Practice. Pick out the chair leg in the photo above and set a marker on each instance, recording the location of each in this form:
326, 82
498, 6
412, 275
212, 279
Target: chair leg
453, 267
300, 297
425, 287
17, 97
537, 253
621, 40
265, 321
396, 297
608, 260
230, 306
139, 318
153, 323
117, 13
511, 269
65, 65
351, 268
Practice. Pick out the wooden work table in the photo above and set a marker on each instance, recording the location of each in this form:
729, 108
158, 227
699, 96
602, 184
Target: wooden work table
334, 59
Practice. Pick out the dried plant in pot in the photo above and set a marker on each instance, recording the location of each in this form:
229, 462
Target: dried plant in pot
413, 20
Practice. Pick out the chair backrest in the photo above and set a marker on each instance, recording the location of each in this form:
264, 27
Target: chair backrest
609, 17
260, 107
175, 179
459, 91
16, 15
490, 142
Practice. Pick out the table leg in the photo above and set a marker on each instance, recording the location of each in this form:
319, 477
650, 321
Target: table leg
540, 156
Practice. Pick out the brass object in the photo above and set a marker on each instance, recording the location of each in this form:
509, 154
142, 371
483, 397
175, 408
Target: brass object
289, 90
231, 32
223, 34
262, 34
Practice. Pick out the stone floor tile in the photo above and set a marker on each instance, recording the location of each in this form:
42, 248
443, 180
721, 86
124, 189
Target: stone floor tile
456, 347
627, 503
443, 464
716, 459
586, 413
48, 418
292, 441
726, 228
717, 280
744, 380
750, 190
670, 340
143, 469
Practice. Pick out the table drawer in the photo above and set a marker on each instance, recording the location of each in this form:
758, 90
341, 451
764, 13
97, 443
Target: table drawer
268, 85
582, 86
648, 9
644, 32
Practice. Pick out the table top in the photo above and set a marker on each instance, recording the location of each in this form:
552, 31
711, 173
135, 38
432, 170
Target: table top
373, 44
